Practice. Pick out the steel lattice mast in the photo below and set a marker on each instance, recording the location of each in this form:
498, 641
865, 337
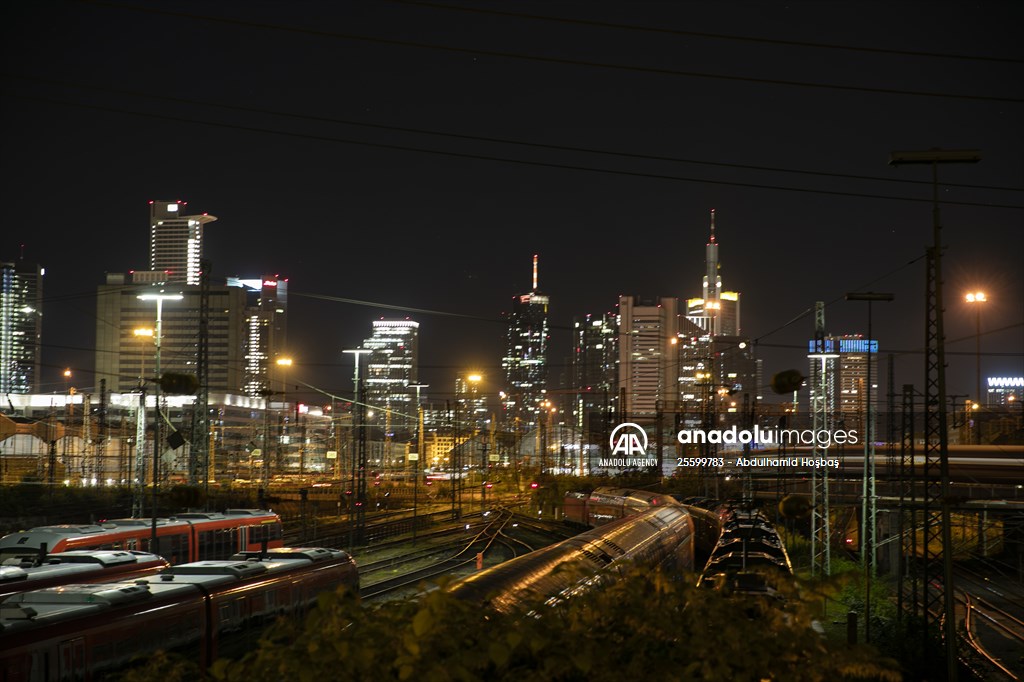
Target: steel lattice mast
937, 582
823, 411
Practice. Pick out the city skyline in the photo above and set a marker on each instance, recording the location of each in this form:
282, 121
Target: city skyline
416, 203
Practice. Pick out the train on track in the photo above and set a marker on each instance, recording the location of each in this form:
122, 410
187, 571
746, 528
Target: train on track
659, 535
79, 566
192, 536
604, 504
203, 610
748, 551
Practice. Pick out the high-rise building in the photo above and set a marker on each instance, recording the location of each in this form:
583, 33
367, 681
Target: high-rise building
718, 362
21, 326
595, 372
123, 357
176, 241
716, 310
525, 362
266, 319
648, 368
391, 368
846, 359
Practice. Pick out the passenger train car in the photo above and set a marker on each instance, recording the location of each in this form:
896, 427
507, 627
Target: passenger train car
204, 610
607, 503
661, 535
76, 566
193, 536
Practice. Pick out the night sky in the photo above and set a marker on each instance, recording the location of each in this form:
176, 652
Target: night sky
418, 155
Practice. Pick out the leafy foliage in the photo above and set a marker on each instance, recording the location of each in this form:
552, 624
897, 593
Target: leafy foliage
650, 625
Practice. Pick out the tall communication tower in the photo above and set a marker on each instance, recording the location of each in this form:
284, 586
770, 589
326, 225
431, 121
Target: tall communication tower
823, 409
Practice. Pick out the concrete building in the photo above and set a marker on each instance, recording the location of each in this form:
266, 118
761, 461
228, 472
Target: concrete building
124, 357
648, 368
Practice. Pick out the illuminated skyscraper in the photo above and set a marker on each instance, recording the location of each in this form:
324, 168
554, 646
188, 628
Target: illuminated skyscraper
847, 367
716, 310
648, 366
595, 372
392, 366
21, 324
266, 322
525, 361
176, 241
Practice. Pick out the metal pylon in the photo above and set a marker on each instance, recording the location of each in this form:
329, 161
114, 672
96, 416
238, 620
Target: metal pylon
823, 411
937, 574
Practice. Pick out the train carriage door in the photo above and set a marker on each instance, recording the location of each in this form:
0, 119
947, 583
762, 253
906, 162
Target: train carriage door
71, 659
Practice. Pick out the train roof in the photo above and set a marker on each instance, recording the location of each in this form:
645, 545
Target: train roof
309, 553
36, 607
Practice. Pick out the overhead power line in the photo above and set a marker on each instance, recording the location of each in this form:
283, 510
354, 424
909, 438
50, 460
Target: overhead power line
491, 139
705, 34
486, 157
547, 60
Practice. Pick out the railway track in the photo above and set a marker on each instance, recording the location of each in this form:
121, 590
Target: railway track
460, 556
993, 621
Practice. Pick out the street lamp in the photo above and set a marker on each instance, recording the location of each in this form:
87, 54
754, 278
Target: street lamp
159, 297
415, 456
143, 333
358, 452
976, 298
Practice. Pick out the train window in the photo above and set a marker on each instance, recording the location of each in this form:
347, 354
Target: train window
230, 615
219, 543
72, 660
174, 548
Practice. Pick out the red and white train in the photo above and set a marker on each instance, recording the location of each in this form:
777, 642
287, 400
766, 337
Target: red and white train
203, 610
193, 536
78, 566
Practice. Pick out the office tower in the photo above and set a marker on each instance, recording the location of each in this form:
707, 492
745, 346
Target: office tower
471, 402
1005, 392
716, 310
21, 326
648, 367
266, 319
595, 373
525, 362
846, 361
123, 357
391, 367
176, 241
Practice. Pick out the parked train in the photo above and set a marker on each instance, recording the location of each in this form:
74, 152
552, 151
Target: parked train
608, 503
76, 566
605, 504
661, 535
203, 610
193, 536
748, 549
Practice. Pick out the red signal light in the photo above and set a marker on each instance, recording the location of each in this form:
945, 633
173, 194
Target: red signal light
533, 485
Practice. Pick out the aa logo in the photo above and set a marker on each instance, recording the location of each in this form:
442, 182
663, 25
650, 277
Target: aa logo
628, 439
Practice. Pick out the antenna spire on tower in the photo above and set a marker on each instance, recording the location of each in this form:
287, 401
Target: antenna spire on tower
712, 240
535, 272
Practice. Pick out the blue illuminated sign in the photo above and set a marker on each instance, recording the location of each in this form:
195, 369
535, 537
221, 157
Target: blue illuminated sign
845, 346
